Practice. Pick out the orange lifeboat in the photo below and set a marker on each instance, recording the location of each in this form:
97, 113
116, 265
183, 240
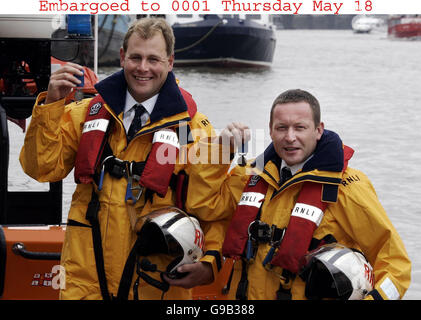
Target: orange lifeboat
30, 262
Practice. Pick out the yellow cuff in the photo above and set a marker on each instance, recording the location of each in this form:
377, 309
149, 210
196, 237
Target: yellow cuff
212, 261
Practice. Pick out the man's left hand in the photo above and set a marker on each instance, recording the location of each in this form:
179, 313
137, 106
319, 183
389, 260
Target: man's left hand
198, 274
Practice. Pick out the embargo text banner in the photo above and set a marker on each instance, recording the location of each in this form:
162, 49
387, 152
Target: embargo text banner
210, 7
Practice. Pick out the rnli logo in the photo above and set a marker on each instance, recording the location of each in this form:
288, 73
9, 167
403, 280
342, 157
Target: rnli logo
254, 199
308, 212
254, 180
348, 180
168, 137
97, 124
95, 109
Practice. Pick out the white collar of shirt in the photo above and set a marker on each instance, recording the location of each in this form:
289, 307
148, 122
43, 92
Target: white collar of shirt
128, 114
296, 167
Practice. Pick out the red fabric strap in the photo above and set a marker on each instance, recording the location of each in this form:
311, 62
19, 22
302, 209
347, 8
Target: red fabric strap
161, 162
246, 212
305, 218
91, 143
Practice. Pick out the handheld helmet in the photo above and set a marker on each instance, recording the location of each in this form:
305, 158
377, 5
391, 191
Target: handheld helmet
172, 232
335, 271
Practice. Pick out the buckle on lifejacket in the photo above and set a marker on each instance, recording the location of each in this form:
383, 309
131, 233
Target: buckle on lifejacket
118, 168
114, 166
260, 231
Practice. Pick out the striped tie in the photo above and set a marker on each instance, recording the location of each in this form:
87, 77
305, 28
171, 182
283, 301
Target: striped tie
137, 121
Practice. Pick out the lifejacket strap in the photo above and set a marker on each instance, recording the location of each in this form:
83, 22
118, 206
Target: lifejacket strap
375, 294
127, 275
242, 287
92, 217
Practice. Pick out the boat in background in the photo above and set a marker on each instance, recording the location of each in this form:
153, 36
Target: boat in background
26, 26
213, 40
404, 27
366, 23
223, 40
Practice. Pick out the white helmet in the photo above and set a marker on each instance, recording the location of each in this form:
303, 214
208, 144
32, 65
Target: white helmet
335, 271
172, 232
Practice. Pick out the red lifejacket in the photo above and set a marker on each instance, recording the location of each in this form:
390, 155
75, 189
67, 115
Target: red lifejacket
305, 218
156, 174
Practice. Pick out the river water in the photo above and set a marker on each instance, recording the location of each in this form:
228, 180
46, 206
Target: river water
369, 90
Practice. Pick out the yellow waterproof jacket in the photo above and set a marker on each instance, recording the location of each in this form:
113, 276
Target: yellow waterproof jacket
49, 153
356, 220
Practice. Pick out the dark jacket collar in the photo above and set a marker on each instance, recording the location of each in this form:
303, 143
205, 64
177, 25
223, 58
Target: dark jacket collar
328, 156
170, 100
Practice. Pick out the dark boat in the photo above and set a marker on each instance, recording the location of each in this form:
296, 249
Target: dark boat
224, 41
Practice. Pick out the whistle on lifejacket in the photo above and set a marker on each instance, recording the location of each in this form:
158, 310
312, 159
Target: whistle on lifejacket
269, 256
251, 248
101, 175
133, 184
275, 242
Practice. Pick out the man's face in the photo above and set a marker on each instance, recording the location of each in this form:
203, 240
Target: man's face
293, 131
145, 65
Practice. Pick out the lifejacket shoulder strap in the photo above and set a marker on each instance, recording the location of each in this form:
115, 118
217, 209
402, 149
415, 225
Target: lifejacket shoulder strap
93, 140
306, 216
247, 210
92, 217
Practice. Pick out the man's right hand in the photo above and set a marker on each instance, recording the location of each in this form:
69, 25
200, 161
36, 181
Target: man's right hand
63, 81
235, 133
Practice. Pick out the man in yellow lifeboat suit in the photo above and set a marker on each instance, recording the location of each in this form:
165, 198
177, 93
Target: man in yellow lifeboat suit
53, 141
352, 214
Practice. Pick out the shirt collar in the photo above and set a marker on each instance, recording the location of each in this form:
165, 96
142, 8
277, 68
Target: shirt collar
147, 104
296, 167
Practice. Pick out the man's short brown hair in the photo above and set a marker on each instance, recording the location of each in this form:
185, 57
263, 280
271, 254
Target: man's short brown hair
146, 28
298, 95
